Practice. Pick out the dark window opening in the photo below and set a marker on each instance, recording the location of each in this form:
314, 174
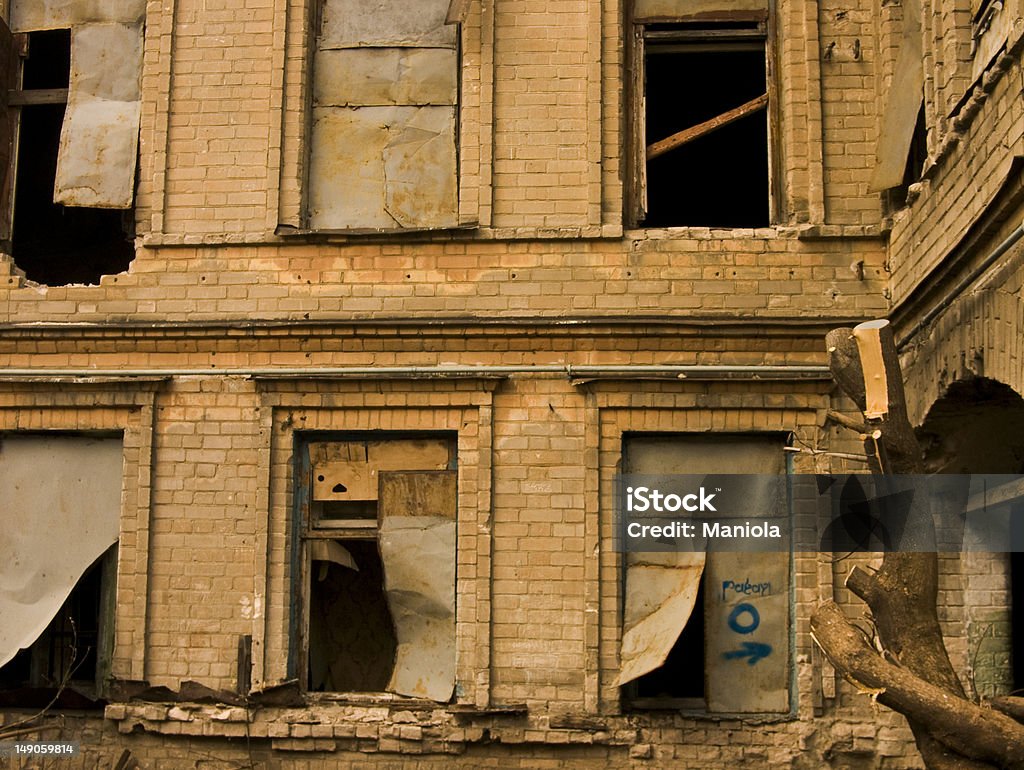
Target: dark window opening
67, 663
52, 243
977, 426
721, 178
681, 676
351, 634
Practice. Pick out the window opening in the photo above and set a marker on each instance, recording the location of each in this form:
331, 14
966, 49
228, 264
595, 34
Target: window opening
52, 243
69, 660
705, 130
378, 565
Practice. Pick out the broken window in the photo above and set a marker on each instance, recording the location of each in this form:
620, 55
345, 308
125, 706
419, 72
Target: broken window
701, 91
74, 106
378, 522
688, 639
62, 513
385, 91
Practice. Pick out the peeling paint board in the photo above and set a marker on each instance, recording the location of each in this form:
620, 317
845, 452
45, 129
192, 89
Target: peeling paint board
418, 493
386, 167
646, 10
410, 454
747, 638
326, 451
358, 23
99, 138
385, 76
35, 15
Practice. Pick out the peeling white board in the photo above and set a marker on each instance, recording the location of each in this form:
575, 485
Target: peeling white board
661, 589
99, 139
34, 15
385, 76
60, 505
417, 545
383, 168
356, 23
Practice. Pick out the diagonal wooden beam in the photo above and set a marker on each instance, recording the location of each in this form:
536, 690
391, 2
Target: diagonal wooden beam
701, 129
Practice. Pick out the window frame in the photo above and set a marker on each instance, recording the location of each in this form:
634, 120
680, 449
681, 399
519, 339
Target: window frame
635, 207
304, 531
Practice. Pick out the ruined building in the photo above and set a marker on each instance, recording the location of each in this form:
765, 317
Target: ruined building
326, 325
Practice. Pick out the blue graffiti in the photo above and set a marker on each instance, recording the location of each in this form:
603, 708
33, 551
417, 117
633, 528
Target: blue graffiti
740, 610
755, 651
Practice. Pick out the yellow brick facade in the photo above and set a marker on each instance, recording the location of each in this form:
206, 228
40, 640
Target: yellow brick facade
235, 330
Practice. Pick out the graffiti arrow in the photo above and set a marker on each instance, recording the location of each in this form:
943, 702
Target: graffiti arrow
753, 650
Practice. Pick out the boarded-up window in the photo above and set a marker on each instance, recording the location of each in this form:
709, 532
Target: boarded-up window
61, 504
688, 640
379, 528
385, 91
700, 154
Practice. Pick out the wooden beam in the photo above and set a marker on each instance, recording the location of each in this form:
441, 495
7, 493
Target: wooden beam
38, 96
701, 129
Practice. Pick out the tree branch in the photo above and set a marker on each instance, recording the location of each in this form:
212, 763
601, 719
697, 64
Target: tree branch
974, 732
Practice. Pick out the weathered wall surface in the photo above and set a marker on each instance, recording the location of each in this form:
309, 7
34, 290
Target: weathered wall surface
543, 274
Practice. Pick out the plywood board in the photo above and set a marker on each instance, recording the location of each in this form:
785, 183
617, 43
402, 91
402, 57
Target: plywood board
359, 23
383, 168
746, 641
341, 480
385, 76
99, 138
33, 15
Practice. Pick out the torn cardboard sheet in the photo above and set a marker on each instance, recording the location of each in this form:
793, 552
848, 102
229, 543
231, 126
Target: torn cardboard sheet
34, 15
661, 590
383, 168
417, 546
419, 577
358, 23
99, 139
61, 507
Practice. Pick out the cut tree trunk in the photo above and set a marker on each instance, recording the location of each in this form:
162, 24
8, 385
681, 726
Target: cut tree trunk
902, 594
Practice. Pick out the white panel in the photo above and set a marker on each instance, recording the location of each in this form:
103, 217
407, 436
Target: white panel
61, 504
357, 23
99, 139
382, 168
385, 76
33, 15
